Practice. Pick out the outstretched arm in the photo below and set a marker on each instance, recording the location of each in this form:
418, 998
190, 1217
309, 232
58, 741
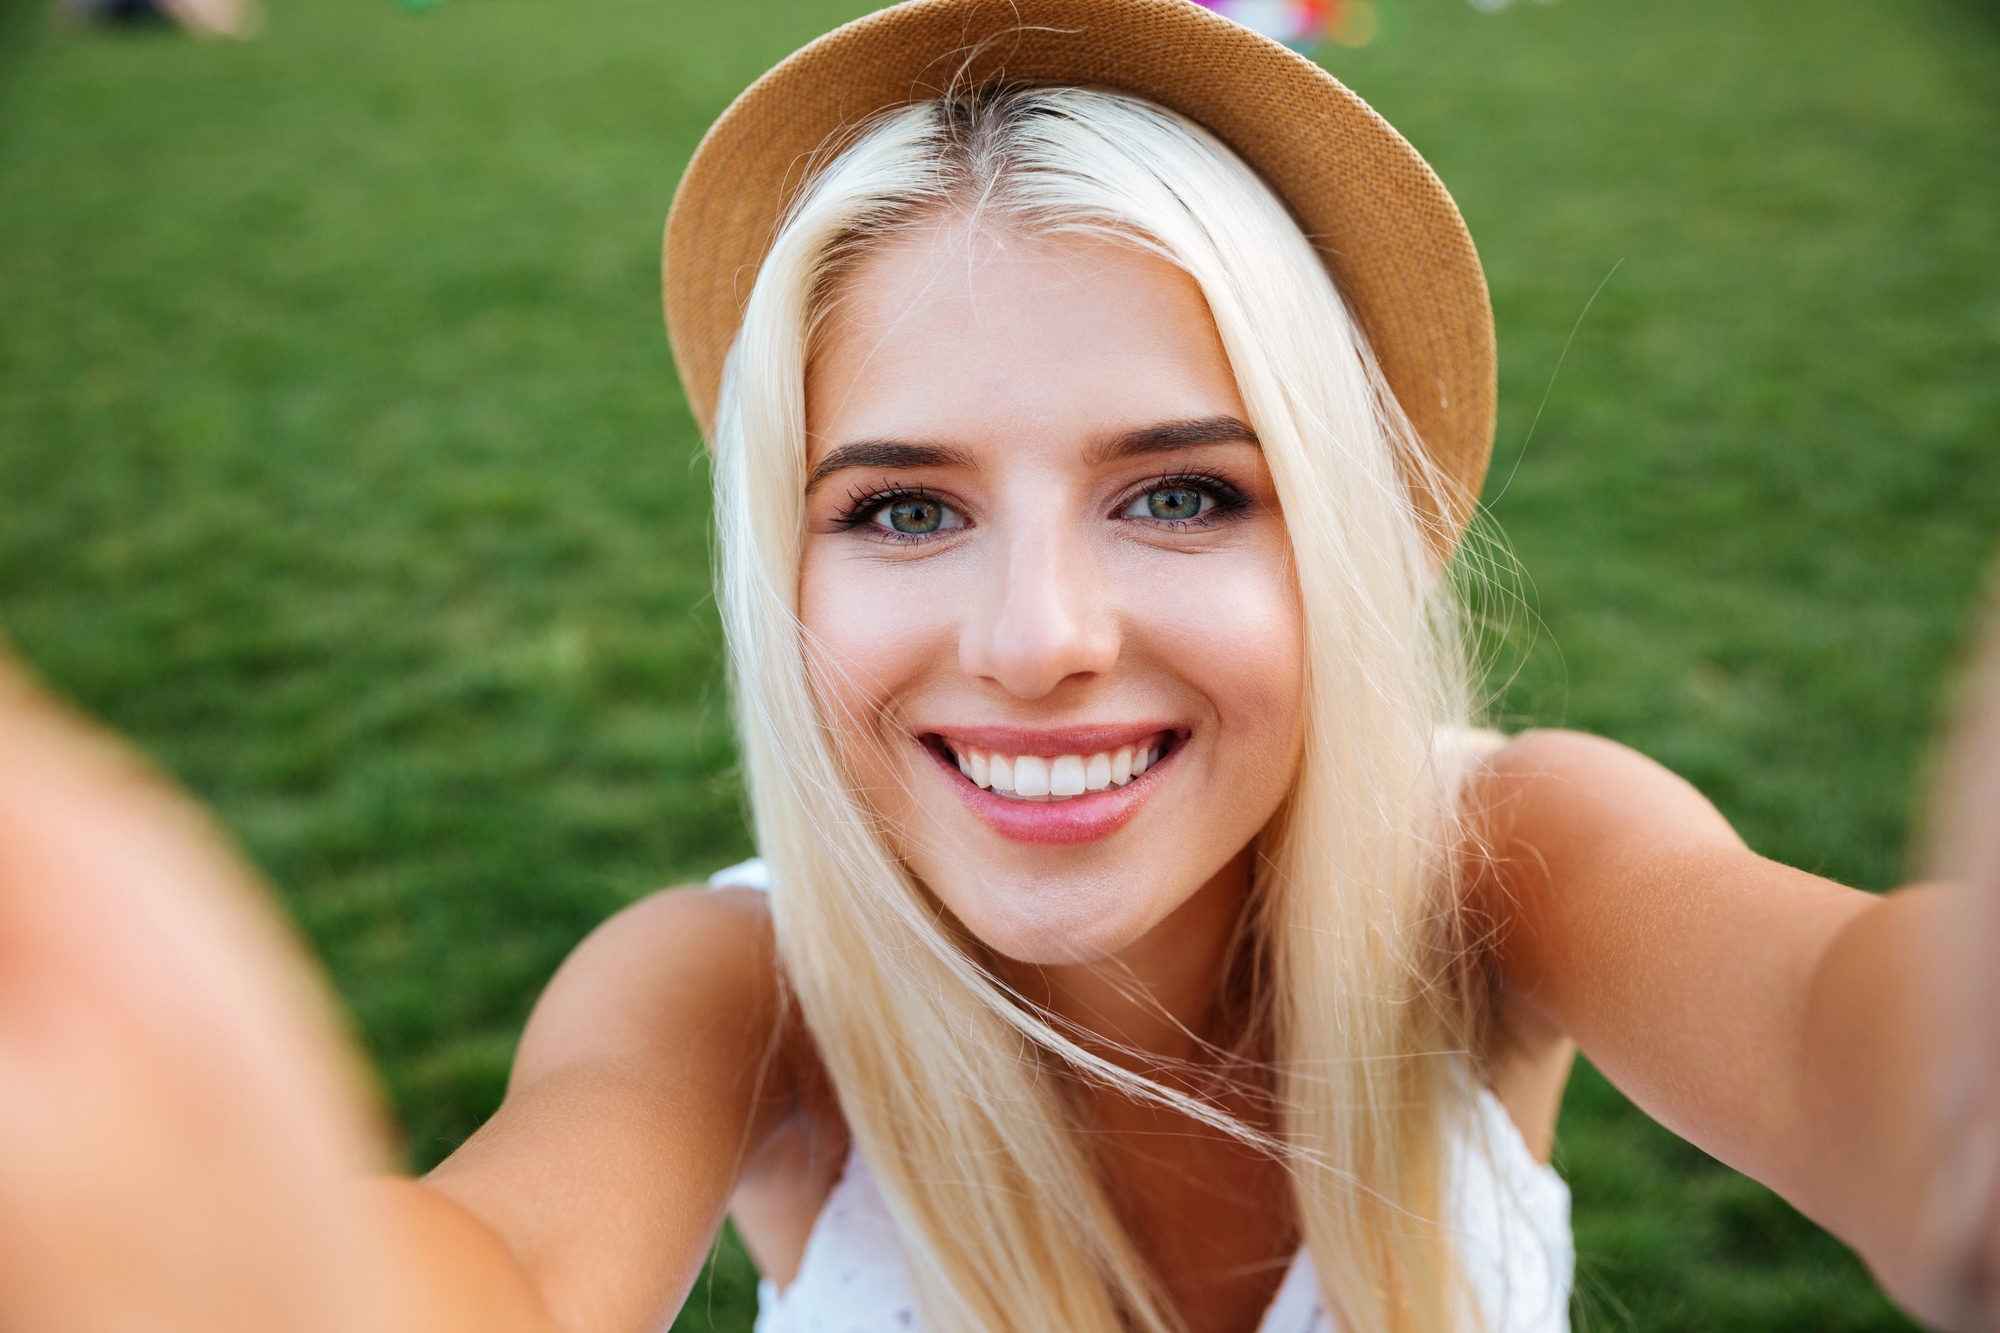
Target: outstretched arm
185, 1143
652, 1070
1793, 1028
180, 1120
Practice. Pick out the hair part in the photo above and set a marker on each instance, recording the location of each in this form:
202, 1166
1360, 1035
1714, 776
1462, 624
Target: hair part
1361, 989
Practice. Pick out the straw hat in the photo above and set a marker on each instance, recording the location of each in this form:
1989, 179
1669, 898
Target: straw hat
1380, 218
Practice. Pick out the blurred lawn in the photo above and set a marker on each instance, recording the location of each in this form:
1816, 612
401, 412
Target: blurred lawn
342, 464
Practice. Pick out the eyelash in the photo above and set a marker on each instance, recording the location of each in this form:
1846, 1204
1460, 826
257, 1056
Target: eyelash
863, 505
1228, 499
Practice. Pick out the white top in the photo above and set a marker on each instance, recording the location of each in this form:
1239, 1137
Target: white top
1510, 1212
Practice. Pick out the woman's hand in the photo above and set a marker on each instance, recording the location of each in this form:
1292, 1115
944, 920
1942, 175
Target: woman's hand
182, 1121
1961, 1218
1902, 1087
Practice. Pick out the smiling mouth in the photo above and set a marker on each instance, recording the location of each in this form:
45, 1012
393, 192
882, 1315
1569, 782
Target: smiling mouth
1053, 779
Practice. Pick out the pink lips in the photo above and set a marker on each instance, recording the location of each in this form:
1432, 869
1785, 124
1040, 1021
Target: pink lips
1079, 819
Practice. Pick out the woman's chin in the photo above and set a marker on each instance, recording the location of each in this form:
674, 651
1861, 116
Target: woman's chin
1046, 922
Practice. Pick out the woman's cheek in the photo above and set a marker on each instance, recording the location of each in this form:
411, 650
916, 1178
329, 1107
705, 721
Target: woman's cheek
869, 633
1231, 627
1235, 617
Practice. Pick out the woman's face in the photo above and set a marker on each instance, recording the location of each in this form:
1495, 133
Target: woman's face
1049, 604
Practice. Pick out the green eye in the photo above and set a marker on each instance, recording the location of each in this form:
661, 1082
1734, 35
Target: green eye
1176, 503
917, 516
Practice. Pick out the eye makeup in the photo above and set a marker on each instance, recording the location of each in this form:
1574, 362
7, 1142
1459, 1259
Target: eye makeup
899, 513
915, 513
1224, 500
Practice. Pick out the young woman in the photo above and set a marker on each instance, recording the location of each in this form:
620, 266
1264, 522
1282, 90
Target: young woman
1144, 937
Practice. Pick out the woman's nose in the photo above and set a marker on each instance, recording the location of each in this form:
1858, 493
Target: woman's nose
1040, 616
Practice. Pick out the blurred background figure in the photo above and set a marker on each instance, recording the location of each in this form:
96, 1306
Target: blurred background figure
1298, 23
208, 18
1307, 24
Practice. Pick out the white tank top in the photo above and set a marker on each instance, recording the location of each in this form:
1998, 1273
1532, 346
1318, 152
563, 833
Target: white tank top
1510, 1213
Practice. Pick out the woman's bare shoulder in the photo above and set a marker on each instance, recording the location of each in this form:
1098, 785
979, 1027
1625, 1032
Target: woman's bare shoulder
676, 962
1624, 911
1548, 809
653, 1062
1568, 786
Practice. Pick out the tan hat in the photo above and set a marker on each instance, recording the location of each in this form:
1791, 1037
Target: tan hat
1380, 218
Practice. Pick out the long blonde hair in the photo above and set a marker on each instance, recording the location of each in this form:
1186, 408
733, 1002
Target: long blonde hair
1361, 990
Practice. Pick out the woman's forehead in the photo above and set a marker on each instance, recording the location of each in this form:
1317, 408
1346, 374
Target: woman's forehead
963, 332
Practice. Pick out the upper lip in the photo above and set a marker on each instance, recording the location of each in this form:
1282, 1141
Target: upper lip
1087, 739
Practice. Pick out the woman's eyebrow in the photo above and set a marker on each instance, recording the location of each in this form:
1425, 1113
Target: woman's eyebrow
1165, 437
884, 454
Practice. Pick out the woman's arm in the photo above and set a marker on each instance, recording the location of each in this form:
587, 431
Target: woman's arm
180, 1120
1781, 1022
185, 1144
652, 1069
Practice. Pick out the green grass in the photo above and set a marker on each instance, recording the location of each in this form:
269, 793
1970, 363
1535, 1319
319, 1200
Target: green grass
342, 465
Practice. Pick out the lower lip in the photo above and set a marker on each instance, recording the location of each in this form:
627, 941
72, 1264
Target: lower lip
1056, 823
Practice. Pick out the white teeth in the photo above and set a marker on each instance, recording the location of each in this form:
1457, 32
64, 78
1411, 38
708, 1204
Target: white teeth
1059, 777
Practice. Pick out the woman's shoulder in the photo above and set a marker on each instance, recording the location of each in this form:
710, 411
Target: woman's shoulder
654, 1059
1556, 818
727, 921
656, 976
1560, 750
1573, 785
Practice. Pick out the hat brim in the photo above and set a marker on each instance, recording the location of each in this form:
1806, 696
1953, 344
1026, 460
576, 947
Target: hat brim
1380, 218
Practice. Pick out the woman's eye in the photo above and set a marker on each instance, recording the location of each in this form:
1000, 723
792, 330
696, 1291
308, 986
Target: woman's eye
917, 516
1171, 504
